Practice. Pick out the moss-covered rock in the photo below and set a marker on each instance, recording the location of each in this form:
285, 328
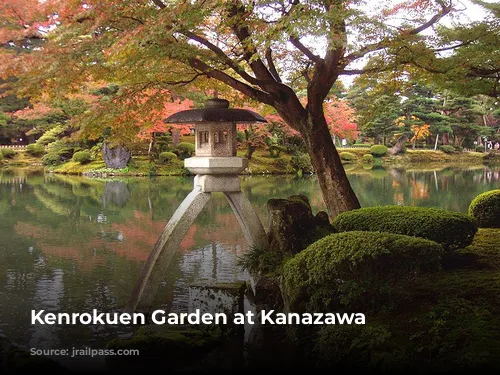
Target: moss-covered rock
293, 226
485, 208
451, 229
356, 270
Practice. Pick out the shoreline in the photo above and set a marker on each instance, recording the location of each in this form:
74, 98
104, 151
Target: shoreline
140, 166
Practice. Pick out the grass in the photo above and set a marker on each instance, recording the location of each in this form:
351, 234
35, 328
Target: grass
260, 163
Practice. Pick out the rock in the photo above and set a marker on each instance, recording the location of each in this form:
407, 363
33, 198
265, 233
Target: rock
292, 226
268, 293
226, 298
116, 157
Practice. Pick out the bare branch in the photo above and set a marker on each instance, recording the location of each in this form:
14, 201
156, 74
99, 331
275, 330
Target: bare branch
270, 64
133, 19
159, 4
306, 51
185, 82
466, 43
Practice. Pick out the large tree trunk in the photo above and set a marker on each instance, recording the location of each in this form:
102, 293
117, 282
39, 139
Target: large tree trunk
337, 191
398, 147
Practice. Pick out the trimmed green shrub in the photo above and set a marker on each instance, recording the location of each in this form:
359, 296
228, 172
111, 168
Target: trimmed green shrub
46, 139
447, 149
7, 153
368, 158
185, 150
82, 157
1, 156
167, 157
355, 269
281, 164
485, 208
51, 158
451, 229
378, 150
301, 162
347, 156
35, 149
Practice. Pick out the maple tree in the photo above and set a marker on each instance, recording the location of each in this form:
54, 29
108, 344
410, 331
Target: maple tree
264, 50
340, 117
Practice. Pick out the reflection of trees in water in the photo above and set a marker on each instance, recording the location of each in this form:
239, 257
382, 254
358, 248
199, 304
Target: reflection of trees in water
450, 188
95, 235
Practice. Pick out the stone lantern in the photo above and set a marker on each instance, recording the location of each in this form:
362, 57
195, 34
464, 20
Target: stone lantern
216, 167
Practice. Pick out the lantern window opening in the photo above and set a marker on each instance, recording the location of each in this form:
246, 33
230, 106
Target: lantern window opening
203, 138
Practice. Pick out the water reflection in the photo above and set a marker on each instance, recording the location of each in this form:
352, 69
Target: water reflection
71, 244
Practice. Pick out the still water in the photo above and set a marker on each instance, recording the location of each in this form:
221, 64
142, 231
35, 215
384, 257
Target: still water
73, 244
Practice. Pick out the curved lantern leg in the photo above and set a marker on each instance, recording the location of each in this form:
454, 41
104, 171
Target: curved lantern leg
249, 220
165, 247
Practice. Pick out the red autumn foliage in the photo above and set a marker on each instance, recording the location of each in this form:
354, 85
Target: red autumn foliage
340, 118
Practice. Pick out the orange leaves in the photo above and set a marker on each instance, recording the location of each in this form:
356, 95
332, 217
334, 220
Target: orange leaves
420, 132
39, 110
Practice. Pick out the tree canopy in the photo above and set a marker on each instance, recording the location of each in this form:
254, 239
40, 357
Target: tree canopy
266, 51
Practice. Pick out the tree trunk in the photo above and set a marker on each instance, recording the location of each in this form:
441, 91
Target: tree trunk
176, 135
151, 147
436, 144
337, 191
398, 147
250, 151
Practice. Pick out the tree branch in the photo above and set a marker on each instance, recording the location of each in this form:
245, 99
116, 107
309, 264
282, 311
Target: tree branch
159, 4
306, 51
187, 81
242, 32
221, 54
387, 41
242, 87
271, 66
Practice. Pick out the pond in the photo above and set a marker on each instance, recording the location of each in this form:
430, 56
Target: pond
73, 244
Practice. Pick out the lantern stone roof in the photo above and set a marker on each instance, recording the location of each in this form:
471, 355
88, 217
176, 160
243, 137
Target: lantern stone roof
216, 110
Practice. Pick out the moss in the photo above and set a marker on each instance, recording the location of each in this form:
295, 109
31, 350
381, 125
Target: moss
486, 241
451, 324
354, 269
485, 208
